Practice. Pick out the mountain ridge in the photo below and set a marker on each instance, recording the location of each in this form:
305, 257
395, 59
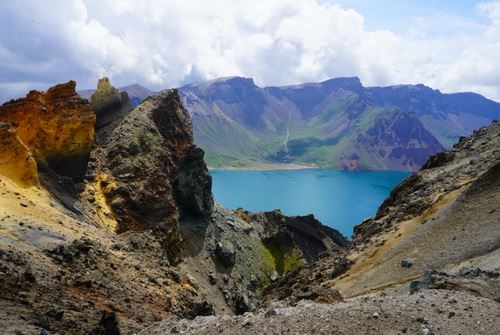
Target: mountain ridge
325, 124
232, 115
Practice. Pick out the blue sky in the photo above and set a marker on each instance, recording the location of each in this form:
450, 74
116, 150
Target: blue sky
448, 45
394, 15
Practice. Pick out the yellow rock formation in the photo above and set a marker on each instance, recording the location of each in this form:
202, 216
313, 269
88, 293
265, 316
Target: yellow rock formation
104, 91
16, 160
55, 123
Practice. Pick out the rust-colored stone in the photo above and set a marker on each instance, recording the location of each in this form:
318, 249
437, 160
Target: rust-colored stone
57, 126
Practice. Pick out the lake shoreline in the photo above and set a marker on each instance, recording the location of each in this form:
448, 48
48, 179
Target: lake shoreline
266, 167
338, 199
292, 167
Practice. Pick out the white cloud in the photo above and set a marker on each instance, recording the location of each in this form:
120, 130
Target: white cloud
167, 43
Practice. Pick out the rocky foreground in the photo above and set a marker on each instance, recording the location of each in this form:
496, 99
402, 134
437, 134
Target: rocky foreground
431, 312
108, 226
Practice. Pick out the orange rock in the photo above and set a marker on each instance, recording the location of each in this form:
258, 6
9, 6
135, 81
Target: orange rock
16, 160
57, 126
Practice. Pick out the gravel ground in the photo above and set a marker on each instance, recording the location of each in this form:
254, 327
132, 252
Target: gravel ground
427, 312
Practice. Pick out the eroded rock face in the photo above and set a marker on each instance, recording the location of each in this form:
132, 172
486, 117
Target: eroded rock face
147, 168
293, 240
57, 126
16, 160
108, 103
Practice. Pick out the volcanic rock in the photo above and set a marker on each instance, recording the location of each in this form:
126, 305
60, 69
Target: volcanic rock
16, 160
57, 126
147, 168
108, 103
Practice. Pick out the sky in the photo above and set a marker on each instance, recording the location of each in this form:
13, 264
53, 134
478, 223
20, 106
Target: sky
450, 45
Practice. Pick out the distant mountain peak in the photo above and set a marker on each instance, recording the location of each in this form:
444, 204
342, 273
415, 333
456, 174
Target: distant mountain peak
135, 86
231, 81
336, 123
345, 80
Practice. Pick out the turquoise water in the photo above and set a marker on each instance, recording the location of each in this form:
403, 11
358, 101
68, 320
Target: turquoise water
339, 199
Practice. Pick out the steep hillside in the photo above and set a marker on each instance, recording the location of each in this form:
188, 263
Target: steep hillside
427, 263
441, 218
134, 236
337, 123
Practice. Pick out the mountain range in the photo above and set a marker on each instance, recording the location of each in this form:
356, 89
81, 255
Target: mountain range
337, 123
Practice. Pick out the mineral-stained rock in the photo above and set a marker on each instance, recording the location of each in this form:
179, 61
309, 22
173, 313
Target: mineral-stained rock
57, 126
103, 92
147, 168
108, 103
16, 160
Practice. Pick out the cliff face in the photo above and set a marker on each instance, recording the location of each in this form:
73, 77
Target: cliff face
57, 126
394, 139
148, 169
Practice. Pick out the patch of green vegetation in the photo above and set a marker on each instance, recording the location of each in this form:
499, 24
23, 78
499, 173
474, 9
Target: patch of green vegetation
284, 261
266, 266
217, 160
327, 137
267, 257
292, 260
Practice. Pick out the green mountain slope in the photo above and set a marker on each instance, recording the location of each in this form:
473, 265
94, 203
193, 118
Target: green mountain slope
337, 123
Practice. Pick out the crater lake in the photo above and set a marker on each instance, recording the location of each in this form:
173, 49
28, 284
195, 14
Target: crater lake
339, 199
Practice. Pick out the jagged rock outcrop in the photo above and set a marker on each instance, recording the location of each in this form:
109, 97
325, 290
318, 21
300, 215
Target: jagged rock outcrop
147, 168
396, 139
57, 126
293, 240
16, 160
136, 93
108, 103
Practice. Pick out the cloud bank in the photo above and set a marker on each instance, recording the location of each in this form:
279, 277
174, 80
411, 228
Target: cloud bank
169, 43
